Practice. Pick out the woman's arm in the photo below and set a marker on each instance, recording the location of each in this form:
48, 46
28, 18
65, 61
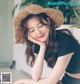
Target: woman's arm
59, 68
30, 81
57, 71
55, 75
38, 65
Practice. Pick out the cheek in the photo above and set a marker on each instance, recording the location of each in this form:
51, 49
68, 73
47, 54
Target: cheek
33, 35
46, 30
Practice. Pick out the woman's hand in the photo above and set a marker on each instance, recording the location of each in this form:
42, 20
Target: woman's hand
40, 43
24, 81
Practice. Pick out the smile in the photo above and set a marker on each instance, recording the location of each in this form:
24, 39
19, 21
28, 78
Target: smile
41, 36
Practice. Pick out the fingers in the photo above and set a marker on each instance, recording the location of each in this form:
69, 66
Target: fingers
24, 81
17, 82
36, 41
32, 39
20, 82
29, 37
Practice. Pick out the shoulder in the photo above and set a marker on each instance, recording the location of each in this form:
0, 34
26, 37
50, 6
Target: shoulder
60, 35
65, 37
66, 43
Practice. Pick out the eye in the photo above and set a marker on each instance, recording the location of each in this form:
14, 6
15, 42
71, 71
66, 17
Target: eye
40, 25
31, 30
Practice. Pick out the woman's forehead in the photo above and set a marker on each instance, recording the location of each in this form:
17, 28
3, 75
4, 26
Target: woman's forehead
33, 22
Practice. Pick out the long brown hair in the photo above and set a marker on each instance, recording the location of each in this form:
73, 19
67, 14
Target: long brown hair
50, 54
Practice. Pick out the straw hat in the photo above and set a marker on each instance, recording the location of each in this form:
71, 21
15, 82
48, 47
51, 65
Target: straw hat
56, 16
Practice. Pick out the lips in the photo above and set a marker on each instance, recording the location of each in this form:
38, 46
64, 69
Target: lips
41, 36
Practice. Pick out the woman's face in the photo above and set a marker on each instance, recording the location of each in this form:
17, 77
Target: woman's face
37, 30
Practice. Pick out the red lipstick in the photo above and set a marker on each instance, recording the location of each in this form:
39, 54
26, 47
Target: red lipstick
41, 36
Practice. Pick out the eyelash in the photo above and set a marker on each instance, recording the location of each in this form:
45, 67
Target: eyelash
31, 31
34, 30
40, 25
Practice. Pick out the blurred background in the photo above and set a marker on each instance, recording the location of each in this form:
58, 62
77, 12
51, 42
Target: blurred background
12, 55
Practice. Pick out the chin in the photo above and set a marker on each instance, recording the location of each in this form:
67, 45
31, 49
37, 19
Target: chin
43, 39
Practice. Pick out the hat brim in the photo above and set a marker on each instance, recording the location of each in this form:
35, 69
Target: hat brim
56, 15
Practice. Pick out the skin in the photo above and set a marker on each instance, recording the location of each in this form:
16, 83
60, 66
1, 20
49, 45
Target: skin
36, 30
38, 33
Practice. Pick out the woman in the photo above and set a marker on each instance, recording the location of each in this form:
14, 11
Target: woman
36, 26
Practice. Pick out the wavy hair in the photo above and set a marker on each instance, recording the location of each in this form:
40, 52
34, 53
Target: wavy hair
50, 54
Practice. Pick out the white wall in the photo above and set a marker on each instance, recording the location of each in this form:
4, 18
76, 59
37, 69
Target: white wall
6, 31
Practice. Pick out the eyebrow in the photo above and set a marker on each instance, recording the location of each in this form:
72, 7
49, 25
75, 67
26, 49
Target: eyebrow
33, 27
30, 28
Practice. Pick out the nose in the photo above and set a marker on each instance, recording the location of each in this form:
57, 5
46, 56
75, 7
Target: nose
38, 32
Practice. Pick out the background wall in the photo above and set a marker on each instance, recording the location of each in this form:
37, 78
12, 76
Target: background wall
6, 32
